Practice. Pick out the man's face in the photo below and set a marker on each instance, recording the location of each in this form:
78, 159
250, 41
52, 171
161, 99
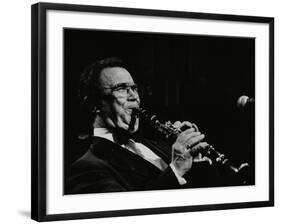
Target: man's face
120, 97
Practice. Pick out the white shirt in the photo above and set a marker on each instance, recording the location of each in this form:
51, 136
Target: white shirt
143, 151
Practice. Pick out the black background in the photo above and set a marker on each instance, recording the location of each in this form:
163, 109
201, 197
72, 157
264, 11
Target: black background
180, 77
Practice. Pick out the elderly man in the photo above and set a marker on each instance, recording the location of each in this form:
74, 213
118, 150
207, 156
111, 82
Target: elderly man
115, 160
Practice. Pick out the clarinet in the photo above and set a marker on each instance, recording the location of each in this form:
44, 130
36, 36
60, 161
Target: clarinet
170, 132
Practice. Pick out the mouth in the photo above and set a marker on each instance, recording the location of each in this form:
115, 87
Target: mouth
131, 116
130, 110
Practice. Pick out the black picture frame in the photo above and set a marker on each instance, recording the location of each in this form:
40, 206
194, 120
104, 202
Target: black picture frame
39, 109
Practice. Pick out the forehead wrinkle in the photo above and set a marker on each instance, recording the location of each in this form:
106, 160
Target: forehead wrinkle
114, 75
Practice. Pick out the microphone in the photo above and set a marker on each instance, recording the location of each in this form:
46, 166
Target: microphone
244, 101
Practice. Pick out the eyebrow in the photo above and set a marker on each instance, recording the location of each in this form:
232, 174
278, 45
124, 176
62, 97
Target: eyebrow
120, 85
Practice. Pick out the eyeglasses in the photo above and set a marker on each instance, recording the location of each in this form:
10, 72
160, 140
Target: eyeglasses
123, 89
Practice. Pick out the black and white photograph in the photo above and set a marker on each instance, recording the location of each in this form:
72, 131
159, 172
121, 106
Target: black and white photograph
157, 111
140, 112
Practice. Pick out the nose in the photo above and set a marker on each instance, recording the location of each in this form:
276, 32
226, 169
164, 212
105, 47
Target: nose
133, 95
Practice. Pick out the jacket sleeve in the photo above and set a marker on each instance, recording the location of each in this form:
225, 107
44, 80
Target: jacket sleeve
92, 176
92, 181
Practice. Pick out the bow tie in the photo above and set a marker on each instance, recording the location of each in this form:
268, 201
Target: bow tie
122, 136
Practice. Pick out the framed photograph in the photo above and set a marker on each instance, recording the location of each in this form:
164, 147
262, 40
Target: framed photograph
138, 111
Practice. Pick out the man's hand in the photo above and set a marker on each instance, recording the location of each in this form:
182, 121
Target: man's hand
186, 148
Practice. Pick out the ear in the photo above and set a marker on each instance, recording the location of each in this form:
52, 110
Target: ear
102, 104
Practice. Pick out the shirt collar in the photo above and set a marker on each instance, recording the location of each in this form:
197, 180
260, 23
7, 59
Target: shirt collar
103, 133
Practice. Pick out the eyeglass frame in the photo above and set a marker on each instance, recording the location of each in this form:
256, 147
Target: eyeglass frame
123, 86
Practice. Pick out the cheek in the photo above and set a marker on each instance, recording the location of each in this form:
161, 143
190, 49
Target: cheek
119, 104
120, 117
119, 108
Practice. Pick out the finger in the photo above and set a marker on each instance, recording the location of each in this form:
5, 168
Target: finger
185, 125
207, 160
201, 145
192, 141
177, 124
179, 156
188, 131
204, 159
199, 148
195, 127
190, 136
185, 138
186, 155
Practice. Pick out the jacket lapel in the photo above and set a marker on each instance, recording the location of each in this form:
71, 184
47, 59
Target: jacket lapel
121, 158
160, 149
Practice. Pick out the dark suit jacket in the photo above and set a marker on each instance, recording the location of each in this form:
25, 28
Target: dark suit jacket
108, 167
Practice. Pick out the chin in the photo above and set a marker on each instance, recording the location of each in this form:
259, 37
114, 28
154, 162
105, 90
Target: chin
130, 129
